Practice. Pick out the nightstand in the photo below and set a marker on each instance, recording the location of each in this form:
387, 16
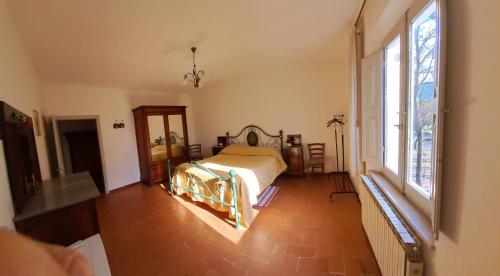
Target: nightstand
294, 158
216, 150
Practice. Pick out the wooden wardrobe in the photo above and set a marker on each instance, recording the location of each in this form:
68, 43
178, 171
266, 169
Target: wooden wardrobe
16, 132
162, 134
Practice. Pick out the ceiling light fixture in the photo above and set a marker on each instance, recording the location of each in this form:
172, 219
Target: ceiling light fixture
195, 76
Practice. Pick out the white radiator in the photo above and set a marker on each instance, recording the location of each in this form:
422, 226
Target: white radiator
396, 248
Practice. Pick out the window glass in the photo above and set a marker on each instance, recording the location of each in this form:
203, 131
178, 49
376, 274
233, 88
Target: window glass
392, 92
422, 100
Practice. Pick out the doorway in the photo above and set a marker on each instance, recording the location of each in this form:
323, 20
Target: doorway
78, 148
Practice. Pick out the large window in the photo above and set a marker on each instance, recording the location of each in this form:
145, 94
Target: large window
410, 104
421, 100
406, 110
392, 90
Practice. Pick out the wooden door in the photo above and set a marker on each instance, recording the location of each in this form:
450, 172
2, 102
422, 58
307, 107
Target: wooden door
85, 155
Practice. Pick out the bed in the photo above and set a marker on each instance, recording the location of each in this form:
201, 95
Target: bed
159, 148
231, 181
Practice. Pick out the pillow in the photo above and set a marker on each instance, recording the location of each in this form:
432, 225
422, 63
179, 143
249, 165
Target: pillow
160, 141
235, 149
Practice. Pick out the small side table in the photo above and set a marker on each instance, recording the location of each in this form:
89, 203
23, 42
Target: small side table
294, 158
216, 150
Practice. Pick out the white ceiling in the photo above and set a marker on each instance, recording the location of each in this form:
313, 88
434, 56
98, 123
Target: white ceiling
144, 44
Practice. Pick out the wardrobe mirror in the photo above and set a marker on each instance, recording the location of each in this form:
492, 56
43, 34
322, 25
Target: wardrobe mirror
157, 138
176, 135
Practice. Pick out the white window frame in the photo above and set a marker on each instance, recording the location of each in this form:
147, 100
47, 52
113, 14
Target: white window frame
429, 205
399, 30
425, 202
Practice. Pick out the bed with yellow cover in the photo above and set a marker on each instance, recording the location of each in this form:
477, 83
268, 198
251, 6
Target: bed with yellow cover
159, 150
232, 180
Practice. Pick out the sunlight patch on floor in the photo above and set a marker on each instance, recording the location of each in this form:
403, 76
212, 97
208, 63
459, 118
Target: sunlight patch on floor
224, 227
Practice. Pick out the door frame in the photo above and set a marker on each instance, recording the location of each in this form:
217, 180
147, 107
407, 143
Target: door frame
58, 146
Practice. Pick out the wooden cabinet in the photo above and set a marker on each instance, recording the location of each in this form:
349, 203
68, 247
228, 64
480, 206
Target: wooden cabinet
294, 158
64, 213
63, 226
162, 135
16, 132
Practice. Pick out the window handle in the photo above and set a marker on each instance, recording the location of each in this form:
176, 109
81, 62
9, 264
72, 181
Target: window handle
399, 126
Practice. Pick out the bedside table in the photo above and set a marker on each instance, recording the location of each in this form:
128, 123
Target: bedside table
294, 158
216, 150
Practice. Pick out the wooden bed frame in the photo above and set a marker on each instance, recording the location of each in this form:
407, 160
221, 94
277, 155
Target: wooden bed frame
250, 135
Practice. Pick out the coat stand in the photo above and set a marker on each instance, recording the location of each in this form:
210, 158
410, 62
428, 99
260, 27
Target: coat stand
345, 186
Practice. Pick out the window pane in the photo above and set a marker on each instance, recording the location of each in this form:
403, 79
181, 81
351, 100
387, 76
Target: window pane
422, 101
391, 105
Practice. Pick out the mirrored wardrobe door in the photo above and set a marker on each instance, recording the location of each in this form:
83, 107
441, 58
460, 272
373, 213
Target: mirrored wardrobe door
178, 141
157, 138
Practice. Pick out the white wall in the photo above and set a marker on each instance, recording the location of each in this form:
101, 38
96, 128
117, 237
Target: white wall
298, 99
469, 242
110, 104
20, 88
175, 124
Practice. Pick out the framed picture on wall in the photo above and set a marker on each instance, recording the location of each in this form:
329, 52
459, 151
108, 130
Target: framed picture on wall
36, 123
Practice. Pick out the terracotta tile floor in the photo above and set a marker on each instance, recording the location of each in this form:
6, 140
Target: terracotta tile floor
146, 232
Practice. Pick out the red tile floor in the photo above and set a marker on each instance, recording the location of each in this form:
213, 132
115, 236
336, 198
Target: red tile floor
146, 232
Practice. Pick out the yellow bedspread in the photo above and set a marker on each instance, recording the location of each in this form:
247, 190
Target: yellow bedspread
159, 152
255, 167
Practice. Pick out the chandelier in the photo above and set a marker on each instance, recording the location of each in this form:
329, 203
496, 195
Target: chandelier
195, 76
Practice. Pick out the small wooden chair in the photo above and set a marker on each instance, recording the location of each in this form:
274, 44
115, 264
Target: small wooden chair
195, 152
316, 157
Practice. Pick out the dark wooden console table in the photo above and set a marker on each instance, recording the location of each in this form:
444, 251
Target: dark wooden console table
63, 213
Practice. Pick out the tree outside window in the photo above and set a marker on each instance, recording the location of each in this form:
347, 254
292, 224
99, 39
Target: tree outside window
422, 103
